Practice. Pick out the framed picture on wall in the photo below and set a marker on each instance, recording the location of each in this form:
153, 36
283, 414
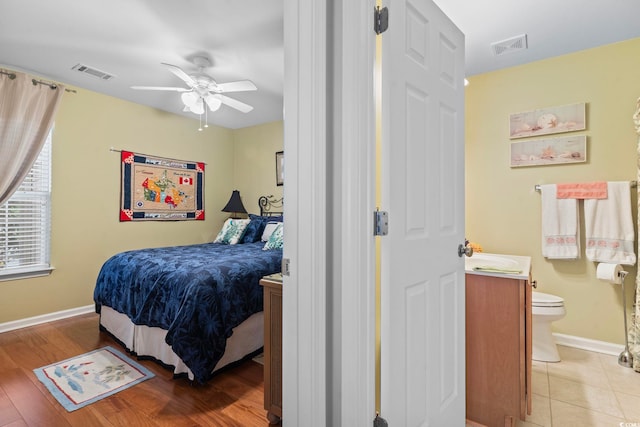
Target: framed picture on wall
565, 118
280, 168
550, 151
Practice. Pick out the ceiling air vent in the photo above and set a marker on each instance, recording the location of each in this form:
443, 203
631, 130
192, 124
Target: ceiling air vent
93, 72
513, 44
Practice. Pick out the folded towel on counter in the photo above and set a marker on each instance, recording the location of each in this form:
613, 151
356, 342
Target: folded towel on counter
560, 231
584, 190
493, 269
609, 226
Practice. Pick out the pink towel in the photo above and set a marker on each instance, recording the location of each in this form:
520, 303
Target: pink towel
585, 190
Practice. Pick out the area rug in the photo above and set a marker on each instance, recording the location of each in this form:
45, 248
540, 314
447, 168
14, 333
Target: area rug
92, 376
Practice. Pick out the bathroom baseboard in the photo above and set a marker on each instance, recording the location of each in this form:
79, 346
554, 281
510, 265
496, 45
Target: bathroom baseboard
50, 317
588, 344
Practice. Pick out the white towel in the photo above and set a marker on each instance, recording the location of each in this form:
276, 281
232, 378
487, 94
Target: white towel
560, 231
609, 227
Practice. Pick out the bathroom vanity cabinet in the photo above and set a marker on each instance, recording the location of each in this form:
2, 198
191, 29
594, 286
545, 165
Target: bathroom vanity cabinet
498, 348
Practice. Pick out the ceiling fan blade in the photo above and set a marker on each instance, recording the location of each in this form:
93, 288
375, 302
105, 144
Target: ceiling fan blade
180, 74
234, 103
239, 86
173, 89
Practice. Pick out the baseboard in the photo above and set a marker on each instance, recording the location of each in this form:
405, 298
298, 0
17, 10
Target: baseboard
561, 339
588, 344
37, 320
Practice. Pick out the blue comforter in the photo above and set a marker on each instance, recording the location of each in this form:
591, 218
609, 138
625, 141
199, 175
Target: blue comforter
197, 293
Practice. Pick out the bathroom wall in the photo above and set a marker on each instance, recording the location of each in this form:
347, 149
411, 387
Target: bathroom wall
502, 208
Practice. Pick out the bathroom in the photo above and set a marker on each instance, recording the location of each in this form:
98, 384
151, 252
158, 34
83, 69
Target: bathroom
502, 206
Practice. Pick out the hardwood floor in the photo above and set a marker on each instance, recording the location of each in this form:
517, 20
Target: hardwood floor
232, 398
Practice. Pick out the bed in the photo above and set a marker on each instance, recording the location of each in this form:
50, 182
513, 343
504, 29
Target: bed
196, 308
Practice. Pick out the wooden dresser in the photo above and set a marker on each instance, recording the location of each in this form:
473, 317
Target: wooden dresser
273, 346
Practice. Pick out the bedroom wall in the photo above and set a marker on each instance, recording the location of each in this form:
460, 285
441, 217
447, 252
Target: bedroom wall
502, 208
255, 163
86, 193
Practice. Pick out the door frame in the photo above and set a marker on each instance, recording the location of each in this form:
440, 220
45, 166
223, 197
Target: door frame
329, 145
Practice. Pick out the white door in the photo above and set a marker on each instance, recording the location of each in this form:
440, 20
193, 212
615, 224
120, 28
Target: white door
422, 277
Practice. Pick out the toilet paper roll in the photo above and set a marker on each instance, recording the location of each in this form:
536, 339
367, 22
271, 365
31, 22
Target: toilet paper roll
609, 272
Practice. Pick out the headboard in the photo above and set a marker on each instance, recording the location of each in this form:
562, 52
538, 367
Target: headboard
270, 206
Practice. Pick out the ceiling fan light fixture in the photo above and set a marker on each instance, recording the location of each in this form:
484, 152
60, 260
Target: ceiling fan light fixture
203, 89
189, 99
192, 102
198, 107
213, 102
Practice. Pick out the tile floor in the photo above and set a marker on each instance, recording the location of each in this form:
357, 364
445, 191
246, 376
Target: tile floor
585, 389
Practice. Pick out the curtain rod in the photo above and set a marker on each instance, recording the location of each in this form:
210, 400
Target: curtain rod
11, 75
53, 86
633, 184
114, 150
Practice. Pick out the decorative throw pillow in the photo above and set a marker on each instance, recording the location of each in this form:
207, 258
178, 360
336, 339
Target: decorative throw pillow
232, 231
274, 218
268, 230
276, 240
254, 230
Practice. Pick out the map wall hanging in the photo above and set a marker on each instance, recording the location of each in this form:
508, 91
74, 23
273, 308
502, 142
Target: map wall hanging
160, 189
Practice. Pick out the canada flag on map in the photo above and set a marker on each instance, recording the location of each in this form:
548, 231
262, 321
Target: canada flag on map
186, 181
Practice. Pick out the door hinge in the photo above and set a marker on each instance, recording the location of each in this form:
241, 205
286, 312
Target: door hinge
285, 267
378, 421
380, 19
380, 223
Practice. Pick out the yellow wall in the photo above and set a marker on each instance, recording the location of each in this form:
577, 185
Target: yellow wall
86, 193
502, 208
255, 162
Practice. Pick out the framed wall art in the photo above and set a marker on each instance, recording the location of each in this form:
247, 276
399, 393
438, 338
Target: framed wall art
550, 151
160, 189
546, 121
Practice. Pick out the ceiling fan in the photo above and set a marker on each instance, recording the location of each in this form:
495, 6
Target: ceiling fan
203, 89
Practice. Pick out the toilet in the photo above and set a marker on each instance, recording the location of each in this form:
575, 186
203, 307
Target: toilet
545, 308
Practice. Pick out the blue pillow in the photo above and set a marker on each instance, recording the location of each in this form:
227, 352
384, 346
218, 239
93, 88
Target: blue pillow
274, 218
254, 230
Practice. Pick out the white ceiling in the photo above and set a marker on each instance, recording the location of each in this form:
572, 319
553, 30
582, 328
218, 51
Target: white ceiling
553, 27
243, 38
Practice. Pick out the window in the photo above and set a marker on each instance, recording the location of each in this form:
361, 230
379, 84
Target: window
25, 223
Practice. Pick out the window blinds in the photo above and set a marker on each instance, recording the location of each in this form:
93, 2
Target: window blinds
25, 222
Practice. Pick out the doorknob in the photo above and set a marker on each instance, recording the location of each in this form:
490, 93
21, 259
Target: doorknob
464, 250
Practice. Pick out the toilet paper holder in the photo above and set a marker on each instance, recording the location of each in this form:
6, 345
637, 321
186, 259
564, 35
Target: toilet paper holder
626, 358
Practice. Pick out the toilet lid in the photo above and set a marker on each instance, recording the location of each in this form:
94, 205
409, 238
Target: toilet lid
540, 299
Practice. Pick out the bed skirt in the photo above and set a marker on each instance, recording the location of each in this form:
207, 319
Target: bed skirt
145, 341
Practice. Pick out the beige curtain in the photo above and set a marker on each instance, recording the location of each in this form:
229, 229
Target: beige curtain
634, 330
26, 116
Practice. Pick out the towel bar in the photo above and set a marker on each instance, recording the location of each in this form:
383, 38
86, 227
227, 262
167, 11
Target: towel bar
633, 184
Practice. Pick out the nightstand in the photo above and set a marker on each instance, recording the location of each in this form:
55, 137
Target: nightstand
273, 346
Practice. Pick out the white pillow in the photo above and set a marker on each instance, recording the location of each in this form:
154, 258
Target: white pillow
268, 230
231, 231
276, 240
